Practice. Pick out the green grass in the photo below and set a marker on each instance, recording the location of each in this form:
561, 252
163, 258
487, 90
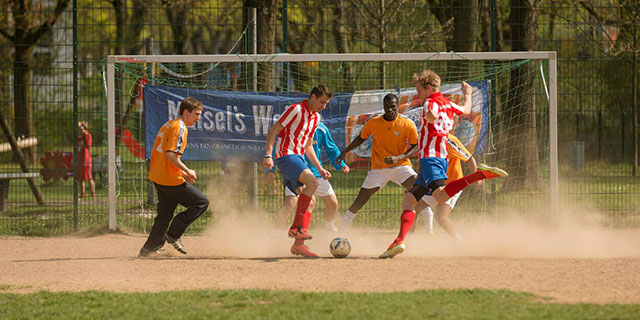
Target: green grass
259, 304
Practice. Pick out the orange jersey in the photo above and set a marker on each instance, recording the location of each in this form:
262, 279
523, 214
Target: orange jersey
172, 137
457, 152
390, 138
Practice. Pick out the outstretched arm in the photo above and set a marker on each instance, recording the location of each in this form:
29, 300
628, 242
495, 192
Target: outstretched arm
466, 90
311, 154
354, 144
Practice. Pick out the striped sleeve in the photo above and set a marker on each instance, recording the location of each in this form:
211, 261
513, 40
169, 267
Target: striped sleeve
456, 108
290, 115
456, 149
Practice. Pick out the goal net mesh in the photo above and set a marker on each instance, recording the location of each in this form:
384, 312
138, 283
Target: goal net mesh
508, 127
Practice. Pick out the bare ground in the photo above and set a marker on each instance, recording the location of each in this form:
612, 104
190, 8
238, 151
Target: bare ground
566, 263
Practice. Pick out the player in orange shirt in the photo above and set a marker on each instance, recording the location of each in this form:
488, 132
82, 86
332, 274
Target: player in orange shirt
457, 154
389, 162
173, 181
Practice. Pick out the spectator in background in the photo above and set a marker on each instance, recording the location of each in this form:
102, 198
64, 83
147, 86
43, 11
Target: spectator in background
84, 158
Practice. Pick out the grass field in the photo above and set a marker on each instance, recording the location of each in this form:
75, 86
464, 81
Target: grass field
261, 304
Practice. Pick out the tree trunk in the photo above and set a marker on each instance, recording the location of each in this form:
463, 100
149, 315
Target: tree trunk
23, 107
465, 26
342, 43
266, 16
521, 148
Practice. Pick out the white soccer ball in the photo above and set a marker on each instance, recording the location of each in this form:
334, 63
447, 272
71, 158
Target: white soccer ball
340, 247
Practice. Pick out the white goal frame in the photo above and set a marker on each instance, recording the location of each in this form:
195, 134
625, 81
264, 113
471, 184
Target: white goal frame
550, 56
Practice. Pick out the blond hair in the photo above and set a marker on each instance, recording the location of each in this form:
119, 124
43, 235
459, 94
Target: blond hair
427, 77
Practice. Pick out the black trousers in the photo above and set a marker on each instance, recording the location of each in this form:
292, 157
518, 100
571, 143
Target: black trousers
168, 199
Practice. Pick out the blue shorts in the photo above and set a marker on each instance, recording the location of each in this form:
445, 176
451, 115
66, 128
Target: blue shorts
291, 166
432, 169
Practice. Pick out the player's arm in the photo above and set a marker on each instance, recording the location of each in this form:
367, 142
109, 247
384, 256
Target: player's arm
332, 152
311, 154
189, 175
267, 162
466, 91
354, 144
394, 159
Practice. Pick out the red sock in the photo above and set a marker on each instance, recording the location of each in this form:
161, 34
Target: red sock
456, 186
303, 205
306, 221
406, 221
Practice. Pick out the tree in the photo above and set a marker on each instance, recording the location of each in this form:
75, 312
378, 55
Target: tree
29, 26
521, 147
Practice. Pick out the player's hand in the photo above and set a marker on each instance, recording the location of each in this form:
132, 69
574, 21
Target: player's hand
345, 169
190, 176
271, 176
267, 163
325, 174
466, 88
391, 159
340, 158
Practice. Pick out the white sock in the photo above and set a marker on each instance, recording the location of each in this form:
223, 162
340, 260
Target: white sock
348, 217
427, 214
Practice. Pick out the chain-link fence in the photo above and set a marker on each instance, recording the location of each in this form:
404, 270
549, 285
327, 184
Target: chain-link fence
51, 78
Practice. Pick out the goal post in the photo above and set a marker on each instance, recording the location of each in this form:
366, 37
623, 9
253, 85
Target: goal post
170, 71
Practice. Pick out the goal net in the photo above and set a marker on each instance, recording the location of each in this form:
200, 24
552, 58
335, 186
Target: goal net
512, 125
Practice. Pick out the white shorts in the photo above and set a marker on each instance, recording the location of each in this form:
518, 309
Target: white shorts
324, 189
378, 178
432, 202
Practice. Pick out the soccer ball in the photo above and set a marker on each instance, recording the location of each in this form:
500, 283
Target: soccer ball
340, 247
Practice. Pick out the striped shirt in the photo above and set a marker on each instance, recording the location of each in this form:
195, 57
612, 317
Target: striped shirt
172, 137
433, 136
299, 124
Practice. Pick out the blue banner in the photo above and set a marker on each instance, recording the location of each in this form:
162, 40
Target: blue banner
235, 124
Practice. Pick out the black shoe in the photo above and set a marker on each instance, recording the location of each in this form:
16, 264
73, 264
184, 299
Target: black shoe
146, 253
176, 243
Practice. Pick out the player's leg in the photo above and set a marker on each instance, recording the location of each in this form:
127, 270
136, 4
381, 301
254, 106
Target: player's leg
483, 172
82, 194
289, 203
375, 180
432, 172
92, 187
300, 227
165, 208
427, 214
325, 191
195, 202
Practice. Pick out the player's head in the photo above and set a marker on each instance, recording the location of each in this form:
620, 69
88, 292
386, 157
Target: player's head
190, 110
427, 82
390, 104
319, 97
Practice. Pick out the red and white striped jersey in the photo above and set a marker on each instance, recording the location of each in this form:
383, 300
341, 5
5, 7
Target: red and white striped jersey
299, 124
433, 136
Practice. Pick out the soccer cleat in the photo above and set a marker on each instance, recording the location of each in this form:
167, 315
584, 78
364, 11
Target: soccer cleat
432, 234
146, 253
303, 251
298, 234
176, 243
491, 172
393, 250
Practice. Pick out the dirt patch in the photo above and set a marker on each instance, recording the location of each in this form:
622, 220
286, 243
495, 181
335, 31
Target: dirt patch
585, 265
